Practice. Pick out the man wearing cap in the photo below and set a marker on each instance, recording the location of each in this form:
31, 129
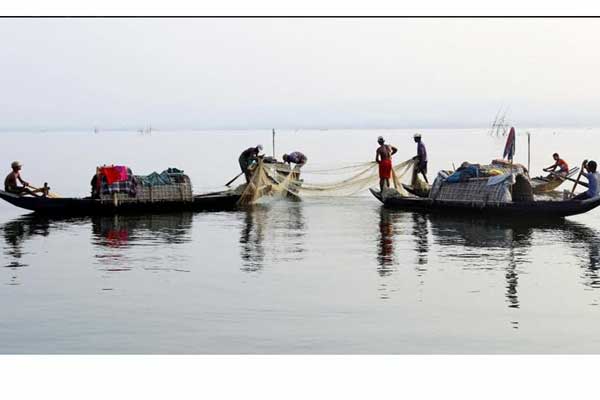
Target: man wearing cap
246, 159
383, 157
421, 157
295, 157
10, 183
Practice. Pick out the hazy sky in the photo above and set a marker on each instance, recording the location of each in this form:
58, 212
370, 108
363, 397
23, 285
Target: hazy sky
297, 73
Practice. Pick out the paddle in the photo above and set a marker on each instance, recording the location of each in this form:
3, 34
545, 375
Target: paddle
231, 181
578, 177
563, 177
42, 190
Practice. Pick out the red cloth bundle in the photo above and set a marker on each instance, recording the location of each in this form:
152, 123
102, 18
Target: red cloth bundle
114, 174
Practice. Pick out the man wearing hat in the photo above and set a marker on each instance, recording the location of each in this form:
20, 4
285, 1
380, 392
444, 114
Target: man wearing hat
421, 157
246, 159
383, 157
10, 183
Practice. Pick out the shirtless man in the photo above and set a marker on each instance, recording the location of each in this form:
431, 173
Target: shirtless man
383, 157
10, 183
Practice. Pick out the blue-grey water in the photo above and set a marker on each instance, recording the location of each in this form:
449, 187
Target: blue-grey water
324, 275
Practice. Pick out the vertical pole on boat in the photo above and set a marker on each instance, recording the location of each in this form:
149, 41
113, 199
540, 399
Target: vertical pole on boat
273, 142
528, 152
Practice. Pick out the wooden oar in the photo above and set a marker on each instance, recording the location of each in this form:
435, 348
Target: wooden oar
564, 177
231, 181
578, 177
41, 190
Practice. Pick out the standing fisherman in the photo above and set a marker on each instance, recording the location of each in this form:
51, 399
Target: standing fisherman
246, 159
421, 157
383, 157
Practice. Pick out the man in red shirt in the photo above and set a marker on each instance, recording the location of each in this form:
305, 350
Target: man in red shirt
563, 167
383, 157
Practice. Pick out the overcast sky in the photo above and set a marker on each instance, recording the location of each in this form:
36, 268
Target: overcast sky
297, 73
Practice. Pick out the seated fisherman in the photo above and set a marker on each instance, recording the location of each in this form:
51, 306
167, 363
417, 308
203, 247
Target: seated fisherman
10, 183
563, 167
593, 177
246, 159
296, 157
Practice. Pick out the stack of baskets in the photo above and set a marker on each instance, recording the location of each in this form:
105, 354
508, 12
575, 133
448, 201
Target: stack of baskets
179, 188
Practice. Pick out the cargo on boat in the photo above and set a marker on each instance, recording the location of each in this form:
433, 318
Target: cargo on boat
491, 190
116, 190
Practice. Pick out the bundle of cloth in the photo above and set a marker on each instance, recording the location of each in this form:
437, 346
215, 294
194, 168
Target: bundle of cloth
468, 171
465, 172
167, 177
115, 179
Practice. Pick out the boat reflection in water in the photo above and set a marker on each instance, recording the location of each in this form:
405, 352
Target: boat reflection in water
272, 232
18, 231
116, 239
480, 244
111, 235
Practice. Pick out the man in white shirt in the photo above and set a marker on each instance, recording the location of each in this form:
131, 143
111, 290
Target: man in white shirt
593, 178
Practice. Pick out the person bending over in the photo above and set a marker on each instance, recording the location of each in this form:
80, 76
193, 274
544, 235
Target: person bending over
295, 157
246, 159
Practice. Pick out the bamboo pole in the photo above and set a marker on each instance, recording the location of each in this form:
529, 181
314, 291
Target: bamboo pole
273, 142
578, 177
528, 152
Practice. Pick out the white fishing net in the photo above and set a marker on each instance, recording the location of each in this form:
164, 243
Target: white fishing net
352, 179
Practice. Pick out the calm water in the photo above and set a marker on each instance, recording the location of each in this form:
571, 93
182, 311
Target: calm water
325, 275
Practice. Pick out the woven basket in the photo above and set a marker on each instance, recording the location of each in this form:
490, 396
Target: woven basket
148, 194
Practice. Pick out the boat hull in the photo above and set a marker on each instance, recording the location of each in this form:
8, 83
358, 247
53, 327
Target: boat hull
87, 206
528, 209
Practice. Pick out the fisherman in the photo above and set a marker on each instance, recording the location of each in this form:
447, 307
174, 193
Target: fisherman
383, 157
295, 157
593, 178
421, 157
10, 183
563, 167
246, 159
95, 184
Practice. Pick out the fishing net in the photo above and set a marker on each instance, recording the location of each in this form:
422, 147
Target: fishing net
355, 178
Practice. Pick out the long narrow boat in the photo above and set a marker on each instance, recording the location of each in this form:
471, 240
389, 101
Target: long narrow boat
546, 184
520, 209
225, 200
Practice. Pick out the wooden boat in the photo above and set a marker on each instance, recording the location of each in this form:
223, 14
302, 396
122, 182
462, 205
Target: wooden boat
544, 184
541, 184
521, 209
225, 200
415, 191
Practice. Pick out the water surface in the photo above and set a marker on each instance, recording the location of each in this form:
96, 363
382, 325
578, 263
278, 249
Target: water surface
325, 275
